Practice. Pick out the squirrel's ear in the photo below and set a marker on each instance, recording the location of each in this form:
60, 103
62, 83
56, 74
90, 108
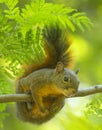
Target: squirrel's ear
59, 67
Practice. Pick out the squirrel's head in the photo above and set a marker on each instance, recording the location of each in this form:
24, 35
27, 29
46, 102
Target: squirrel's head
66, 80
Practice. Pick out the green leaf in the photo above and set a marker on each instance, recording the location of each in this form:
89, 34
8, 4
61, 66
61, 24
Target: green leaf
11, 3
40, 2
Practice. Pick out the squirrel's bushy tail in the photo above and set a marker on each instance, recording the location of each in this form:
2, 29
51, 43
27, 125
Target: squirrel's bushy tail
57, 48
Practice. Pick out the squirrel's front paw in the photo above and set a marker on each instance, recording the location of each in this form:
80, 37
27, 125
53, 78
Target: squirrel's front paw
40, 114
43, 112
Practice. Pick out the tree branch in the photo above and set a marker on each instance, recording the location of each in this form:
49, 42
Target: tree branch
25, 97
89, 91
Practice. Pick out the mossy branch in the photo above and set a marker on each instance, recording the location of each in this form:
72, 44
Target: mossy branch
25, 97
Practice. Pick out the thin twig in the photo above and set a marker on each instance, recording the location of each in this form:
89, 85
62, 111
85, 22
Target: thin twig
26, 97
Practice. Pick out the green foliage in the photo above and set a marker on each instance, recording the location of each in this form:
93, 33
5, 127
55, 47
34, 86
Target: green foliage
41, 13
94, 108
3, 114
75, 122
93, 111
5, 88
2, 117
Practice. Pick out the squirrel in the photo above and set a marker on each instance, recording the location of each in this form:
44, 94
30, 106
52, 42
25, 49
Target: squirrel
49, 83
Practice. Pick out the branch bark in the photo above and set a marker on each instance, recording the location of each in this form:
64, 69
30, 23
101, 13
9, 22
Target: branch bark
25, 97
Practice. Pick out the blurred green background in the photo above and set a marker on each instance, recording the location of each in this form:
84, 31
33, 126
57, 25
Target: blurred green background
79, 113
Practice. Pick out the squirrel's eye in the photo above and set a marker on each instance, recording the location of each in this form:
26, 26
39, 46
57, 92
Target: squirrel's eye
66, 78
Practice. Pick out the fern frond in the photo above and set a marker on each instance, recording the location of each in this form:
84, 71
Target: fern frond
45, 13
40, 13
81, 20
11, 4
